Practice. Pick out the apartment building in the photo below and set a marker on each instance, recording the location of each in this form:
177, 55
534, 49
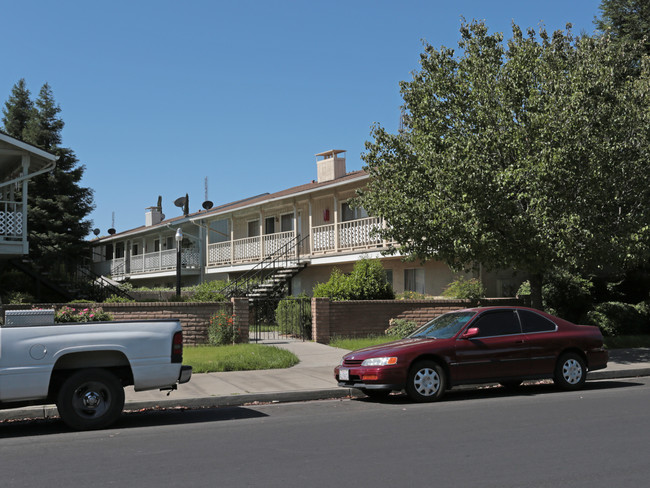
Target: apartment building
312, 224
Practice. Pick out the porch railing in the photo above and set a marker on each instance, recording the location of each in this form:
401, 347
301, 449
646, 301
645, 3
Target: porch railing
249, 249
12, 225
347, 236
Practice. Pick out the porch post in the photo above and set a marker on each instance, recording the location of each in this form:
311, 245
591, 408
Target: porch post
261, 235
311, 231
26, 161
232, 240
336, 224
295, 228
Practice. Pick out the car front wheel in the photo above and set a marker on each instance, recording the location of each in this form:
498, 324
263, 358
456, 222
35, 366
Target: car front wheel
90, 399
426, 382
570, 372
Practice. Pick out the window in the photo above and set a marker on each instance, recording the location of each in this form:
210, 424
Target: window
389, 276
533, 322
156, 245
269, 225
219, 231
503, 322
349, 213
169, 243
286, 222
253, 228
414, 280
134, 250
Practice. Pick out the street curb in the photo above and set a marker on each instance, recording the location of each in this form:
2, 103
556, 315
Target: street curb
50, 411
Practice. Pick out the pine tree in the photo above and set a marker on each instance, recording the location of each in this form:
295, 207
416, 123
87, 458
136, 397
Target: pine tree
18, 110
58, 205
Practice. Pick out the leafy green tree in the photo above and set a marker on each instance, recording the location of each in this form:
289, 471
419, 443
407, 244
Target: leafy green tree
626, 20
530, 155
58, 205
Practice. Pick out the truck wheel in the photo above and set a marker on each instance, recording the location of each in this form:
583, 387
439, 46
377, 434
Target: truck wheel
90, 399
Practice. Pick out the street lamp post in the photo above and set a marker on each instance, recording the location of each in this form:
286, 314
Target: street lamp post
179, 241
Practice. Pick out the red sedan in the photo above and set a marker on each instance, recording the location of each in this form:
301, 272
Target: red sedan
478, 345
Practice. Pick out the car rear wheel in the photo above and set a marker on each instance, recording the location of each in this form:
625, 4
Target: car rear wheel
90, 399
426, 382
570, 372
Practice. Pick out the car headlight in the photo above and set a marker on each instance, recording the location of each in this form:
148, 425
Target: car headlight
379, 361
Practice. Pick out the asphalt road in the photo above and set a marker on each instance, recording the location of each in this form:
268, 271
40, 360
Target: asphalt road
537, 437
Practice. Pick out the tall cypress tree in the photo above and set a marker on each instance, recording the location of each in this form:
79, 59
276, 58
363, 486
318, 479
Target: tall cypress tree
58, 205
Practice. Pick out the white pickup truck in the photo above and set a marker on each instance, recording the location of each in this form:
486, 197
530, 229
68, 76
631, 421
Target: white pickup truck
84, 367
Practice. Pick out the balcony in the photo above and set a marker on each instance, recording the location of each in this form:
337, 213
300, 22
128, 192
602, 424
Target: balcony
12, 227
152, 262
354, 235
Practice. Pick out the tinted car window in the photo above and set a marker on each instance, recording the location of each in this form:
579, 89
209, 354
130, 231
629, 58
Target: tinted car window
533, 322
497, 323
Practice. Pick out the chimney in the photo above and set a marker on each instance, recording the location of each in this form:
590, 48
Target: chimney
153, 216
331, 166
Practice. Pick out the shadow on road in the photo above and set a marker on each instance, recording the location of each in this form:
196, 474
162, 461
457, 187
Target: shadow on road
131, 420
497, 391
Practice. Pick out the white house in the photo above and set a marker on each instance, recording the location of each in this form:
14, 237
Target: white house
19, 162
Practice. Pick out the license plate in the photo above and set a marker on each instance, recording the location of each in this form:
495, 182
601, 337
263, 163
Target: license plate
344, 375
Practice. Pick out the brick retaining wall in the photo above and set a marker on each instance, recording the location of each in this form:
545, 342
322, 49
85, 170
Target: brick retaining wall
194, 316
360, 318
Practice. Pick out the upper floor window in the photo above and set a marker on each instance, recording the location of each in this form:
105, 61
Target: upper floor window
253, 228
286, 222
269, 225
349, 213
219, 231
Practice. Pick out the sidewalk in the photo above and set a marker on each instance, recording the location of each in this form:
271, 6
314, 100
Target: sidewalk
311, 379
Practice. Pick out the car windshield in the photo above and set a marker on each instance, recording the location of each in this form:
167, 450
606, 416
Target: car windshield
444, 326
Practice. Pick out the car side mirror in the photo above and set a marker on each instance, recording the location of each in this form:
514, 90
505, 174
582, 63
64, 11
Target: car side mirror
469, 333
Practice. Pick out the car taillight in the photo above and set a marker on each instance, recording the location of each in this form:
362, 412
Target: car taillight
177, 347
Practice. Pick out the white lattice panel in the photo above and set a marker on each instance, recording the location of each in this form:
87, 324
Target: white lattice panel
219, 253
11, 224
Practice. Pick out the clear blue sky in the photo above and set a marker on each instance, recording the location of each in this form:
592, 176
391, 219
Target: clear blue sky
157, 95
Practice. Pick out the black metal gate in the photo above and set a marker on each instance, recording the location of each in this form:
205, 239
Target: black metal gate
281, 318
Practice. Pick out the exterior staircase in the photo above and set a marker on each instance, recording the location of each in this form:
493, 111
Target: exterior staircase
277, 282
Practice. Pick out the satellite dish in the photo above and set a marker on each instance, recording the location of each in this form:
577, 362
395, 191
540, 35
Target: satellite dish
96, 231
207, 205
162, 216
179, 202
111, 231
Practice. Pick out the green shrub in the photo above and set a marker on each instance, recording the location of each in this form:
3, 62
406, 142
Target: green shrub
69, 314
293, 316
118, 299
471, 289
567, 295
18, 298
401, 327
410, 295
524, 289
366, 282
617, 318
209, 291
222, 330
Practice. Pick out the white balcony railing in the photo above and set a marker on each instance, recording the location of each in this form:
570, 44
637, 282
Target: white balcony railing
12, 225
326, 240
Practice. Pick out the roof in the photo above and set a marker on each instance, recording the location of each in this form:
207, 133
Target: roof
11, 150
243, 203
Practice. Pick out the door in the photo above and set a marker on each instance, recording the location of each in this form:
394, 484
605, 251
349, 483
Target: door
499, 351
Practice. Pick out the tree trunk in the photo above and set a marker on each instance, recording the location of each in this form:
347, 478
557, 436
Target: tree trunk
536, 281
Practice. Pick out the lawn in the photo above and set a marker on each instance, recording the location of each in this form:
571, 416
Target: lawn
238, 357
